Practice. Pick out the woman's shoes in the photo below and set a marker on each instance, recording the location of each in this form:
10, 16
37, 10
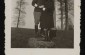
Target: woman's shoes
45, 34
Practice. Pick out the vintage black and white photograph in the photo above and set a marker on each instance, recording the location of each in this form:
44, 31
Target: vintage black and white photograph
42, 24
42, 27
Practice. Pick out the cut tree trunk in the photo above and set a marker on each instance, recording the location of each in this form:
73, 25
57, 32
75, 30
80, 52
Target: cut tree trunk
61, 5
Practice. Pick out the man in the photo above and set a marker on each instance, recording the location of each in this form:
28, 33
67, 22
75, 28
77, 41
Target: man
39, 7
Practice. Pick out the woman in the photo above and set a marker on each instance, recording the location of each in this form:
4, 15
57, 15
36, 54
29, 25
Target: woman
46, 19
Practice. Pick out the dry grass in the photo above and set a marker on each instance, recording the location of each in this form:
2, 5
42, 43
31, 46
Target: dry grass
24, 38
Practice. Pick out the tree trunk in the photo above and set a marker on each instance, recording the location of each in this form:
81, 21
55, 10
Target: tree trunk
61, 5
19, 15
66, 14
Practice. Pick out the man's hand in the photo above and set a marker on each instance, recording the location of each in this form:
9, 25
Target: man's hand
42, 6
35, 5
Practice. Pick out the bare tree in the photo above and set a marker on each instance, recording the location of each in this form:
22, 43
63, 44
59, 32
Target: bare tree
66, 14
61, 5
61, 9
20, 12
71, 14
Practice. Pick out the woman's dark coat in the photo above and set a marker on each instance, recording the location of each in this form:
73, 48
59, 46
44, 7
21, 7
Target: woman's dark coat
46, 20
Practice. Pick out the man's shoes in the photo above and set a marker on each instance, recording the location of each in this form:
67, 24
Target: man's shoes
37, 34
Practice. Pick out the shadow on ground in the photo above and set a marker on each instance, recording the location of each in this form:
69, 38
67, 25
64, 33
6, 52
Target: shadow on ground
24, 38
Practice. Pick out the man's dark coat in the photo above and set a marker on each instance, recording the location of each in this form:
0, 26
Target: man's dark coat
39, 3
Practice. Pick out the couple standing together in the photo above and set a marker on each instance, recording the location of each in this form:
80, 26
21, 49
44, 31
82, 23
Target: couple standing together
43, 14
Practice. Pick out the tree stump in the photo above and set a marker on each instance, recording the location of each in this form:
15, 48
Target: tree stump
39, 43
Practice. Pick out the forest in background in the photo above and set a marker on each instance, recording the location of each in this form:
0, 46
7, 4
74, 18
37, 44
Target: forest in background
64, 14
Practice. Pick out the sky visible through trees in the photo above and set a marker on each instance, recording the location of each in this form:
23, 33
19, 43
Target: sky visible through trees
21, 12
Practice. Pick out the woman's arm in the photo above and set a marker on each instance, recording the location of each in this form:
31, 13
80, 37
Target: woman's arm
49, 4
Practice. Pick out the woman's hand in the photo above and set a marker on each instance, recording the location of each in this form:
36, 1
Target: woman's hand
44, 9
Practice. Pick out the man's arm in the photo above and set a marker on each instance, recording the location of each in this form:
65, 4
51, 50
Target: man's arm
34, 3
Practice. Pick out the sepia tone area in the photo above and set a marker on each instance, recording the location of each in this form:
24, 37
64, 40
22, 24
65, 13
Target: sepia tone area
22, 26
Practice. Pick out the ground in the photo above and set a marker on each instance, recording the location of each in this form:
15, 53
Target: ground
25, 38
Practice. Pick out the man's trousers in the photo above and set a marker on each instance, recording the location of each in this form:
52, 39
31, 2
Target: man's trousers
37, 17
